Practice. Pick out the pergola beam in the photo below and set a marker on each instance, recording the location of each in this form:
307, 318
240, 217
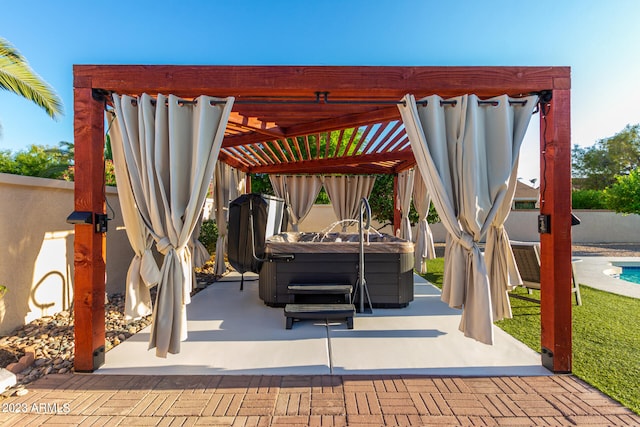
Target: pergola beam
303, 81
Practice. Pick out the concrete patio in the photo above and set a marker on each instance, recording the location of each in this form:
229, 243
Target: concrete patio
234, 333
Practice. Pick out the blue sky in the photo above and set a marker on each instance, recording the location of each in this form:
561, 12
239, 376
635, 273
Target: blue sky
599, 40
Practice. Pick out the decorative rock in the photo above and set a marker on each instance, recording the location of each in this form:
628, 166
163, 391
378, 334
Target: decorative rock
50, 341
27, 359
21, 392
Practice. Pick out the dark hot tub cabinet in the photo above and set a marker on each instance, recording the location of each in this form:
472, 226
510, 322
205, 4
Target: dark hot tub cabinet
334, 258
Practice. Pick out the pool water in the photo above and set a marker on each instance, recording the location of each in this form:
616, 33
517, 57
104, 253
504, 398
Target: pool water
631, 274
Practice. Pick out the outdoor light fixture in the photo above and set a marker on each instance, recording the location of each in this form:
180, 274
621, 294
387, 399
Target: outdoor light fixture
81, 217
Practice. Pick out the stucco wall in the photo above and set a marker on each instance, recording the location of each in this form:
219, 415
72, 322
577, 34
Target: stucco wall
37, 255
596, 226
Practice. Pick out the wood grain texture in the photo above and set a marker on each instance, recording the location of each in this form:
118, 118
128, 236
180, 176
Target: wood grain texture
360, 81
89, 246
555, 259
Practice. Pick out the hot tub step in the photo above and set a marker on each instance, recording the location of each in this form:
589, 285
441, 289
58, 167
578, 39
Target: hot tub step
319, 311
319, 289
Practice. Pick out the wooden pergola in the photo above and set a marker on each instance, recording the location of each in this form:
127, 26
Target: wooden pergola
282, 120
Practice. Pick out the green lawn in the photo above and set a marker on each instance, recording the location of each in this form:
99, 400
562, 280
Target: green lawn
606, 337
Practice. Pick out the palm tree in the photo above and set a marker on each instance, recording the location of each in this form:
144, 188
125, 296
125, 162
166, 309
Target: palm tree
16, 76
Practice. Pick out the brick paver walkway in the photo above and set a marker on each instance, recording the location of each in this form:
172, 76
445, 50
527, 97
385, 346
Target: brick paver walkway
103, 400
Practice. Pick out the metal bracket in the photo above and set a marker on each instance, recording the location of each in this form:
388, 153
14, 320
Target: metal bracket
546, 96
544, 224
101, 223
98, 357
100, 95
547, 358
98, 360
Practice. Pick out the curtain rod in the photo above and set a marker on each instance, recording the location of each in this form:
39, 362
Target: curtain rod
323, 98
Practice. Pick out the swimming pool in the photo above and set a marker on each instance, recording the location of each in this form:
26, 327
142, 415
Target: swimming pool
631, 274
629, 271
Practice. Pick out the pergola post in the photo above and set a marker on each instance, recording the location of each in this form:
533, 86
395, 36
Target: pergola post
247, 183
397, 215
89, 243
555, 210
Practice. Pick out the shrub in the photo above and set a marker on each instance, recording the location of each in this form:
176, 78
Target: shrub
209, 235
624, 195
588, 199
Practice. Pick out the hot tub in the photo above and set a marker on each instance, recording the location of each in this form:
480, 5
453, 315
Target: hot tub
334, 258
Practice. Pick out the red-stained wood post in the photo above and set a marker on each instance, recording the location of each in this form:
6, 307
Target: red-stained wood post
89, 245
555, 195
247, 183
397, 215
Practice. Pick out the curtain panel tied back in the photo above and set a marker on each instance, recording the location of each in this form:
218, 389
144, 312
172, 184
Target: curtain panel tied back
403, 202
424, 246
170, 149
467, 154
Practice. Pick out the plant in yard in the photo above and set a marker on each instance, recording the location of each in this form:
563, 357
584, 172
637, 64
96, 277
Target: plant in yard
17, 76
624, 195
588, 199
3, 290
209, 235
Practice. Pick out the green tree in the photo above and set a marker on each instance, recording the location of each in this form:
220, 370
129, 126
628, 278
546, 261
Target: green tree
381, 202
596, 167
37, 160
17, 76
624, 195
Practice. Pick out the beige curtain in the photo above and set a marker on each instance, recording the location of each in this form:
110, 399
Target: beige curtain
466, 163
299, 193
221, 188
424, 248
238, 183
199, 254
278, 185
143, 270
345, 192
170, 149
403, 202
228, 184
510, 126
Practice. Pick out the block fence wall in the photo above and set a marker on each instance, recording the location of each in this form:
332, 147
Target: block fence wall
36, 264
